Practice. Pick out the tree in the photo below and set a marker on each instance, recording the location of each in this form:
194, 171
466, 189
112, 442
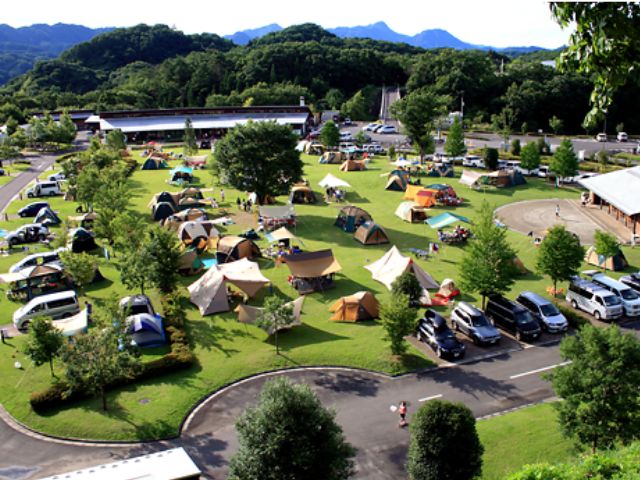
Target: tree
81, 267
606, 245
603, 160
599, 386
490, 157
330, 134
564, 162
407, 284
360, 138
189, 139
543, 146
163, 250
392, 152
398, 320
290, 435
418, 113
334, 98
65, 129
45, 342
503, 123
530, 156
524, 128
556, 124
116, 140
135, 268
260, 157
487, 266
356, 108
619, 127
560, 255
455, 147
442, 435
275, 315
515, 146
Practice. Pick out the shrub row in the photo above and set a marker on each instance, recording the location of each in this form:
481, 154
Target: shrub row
574, 318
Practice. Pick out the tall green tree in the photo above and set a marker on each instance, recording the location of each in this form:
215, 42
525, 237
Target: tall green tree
135, 266
599, 387
560, 255
407, 284
290, 435
556, 124
398, 321
189, 139
330, 134
487, 266
418, 113
357, 107
606, 245
530, 156
516, 148
116, 140
163, 250
564, 162
444, 443
260, 157
81, 267
276, 314
455, 147
45, 342
490, 157
503, 123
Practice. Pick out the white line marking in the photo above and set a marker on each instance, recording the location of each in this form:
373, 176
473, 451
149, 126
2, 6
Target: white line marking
433, 397
538, 370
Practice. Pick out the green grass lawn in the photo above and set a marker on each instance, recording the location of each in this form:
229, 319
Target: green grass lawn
530, 435
227, 350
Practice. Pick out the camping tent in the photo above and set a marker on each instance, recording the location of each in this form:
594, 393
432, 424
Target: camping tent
301, 194
411, 212
195, 232
233, 248
46, 216
162, 210
249, 314
174, 221
615, 263
181, 175
81, 240
411, 191
282, 235
448, 289
85, 220
191, 192
445, 219
426, 198
351, 217
146, 330
397, 183
209, 292
274, 216
393, 264
332, 157
440, 170
471, 178
359, 306
353, 166
190, 202
36, 280
329, 181
312, 271
370, 233
189, 263
154, 163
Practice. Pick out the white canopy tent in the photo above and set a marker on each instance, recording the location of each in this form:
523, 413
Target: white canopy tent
331, 181
393, 264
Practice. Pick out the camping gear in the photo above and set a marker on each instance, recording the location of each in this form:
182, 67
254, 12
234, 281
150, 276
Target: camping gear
199, 161
353, 166
471, 178
351, 217
301, 194
189, 263
181, 175
614, 263
329, 181
370, 233
154, 163
209, 292
448, 289
274, 216
162, 210
445, 219
332, 157
440, 170
190, 202
174, 221
234, 248
457, 235
47, 217
81, 240
411, 212
393, 264
249, 314
359, 306
397, 183
312, 271
146, 330
37, 280
282, 235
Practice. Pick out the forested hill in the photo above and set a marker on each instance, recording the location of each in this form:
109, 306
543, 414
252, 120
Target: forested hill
157, 67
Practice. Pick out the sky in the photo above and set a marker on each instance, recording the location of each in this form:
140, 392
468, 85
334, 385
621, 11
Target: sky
498, 23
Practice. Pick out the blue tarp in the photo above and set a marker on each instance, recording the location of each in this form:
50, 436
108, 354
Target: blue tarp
445, 219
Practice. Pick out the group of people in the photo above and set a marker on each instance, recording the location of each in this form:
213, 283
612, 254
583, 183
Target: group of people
335, 194
244, 205
458, 234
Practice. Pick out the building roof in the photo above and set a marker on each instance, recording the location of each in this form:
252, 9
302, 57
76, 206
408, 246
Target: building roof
620, 188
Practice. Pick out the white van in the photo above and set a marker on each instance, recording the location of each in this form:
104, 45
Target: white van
35, 259
591, 298
55, 305
630, 299
44, 189
543, 171
473, 161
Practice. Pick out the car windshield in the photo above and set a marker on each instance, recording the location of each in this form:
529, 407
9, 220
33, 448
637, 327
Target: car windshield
523, 317
479, 321
612, 300
549, 310
444, 334
628, 294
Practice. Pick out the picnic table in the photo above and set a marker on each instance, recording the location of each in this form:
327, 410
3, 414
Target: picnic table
419, 253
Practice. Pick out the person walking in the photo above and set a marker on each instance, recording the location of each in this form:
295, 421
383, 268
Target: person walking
221, 195
557, 210
402, 410
238, 202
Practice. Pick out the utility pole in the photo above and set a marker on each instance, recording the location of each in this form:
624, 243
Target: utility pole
462, 108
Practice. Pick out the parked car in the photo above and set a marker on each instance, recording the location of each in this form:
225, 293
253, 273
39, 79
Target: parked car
36, 259
44, 189
512, 317
137, 304
346, 136
56, 177
473, 161
593, 299
32, 209
543, 310
371, 127
55, 305
373, 148
629, 297
473, 323
347, 121
623, 137
205, 144
386, 129
30, 233
433, 330
601, 137
632, 281
543, 171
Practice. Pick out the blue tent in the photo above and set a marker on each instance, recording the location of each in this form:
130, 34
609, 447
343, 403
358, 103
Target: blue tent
46, 216
147, 330
445, 219
181, 174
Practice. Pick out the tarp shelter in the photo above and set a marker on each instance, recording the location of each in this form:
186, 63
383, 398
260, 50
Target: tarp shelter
249, 314
411, 212
282, 235
81, 240
181, 174
351, 217
146, 330
162, 210
74, 325
471, 178
154, 163
403, 163
359, 306
329, 181
370, 233
393, 264
312, 271
209, 293
445, 219
190, 263
353, 166
506, 178
234, 248
85, 220
190, 202
46, 216
397, 183
37, 280
194, 232
332, 157
275, 216
174, 221
301, 194
615, 263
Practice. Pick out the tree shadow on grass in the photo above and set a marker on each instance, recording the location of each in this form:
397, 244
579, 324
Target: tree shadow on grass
361, 384
303, 335
208, 334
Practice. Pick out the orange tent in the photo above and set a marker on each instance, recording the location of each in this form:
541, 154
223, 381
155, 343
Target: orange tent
411, 191
359, 306
426, 197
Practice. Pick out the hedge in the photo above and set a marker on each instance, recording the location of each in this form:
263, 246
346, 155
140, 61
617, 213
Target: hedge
574, 318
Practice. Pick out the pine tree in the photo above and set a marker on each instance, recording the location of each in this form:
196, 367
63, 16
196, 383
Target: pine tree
564, 162
455, 146
190, 143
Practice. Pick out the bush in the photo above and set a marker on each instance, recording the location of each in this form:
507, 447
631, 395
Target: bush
575, 320
49, 397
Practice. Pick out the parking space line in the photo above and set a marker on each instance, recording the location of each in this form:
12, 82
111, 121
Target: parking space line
538, 370
432, 397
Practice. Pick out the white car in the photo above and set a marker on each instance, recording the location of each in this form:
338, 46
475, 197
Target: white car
346, 136
370, 127
385, 129
56, 177
623, 137
601, 137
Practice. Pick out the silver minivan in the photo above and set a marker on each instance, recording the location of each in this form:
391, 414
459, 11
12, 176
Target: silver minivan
44, 189
55, 305
593, 299
545, 311
630, 298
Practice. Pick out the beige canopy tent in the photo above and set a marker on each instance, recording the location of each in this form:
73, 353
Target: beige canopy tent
411, 212
370, 233
37, 271
174, 221
353, 166
471, 178
209, 293
393, 264
359, 306
234, 248
283, 235
312, 271
249, 314
188, 232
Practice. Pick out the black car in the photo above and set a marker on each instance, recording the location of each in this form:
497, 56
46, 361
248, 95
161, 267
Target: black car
512, 317
32, 209
433, 330
632, 281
